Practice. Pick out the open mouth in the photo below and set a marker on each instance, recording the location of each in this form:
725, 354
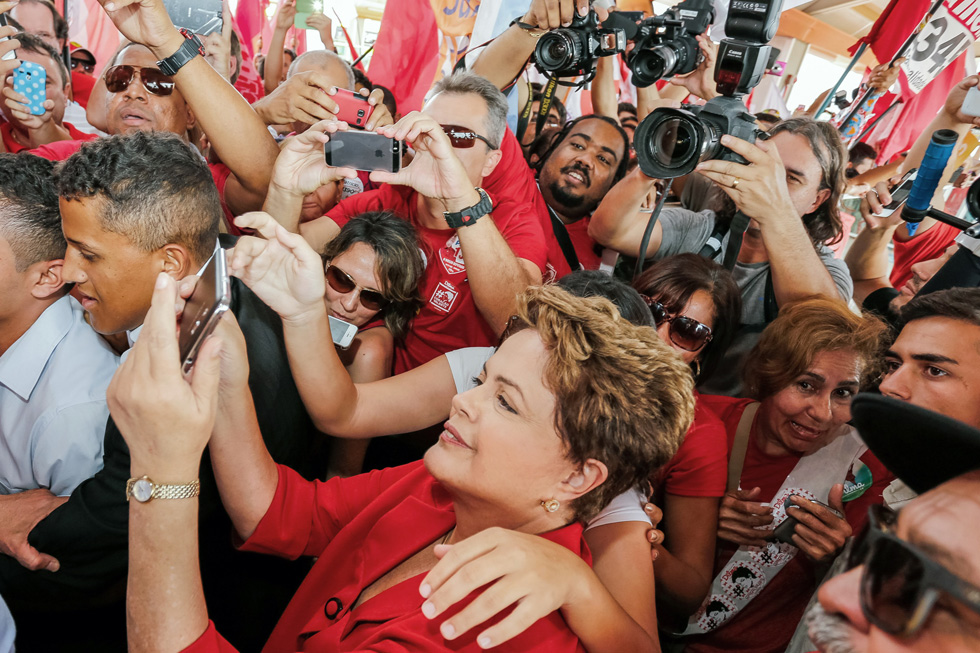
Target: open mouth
577, 177
804, 432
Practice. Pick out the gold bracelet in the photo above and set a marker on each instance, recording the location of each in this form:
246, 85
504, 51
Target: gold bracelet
530, 30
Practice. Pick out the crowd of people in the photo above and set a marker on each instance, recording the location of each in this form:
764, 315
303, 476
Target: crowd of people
525, 446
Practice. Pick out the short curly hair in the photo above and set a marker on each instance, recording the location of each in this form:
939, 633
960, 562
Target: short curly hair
622, 396
30, 219
155, 190
804, 329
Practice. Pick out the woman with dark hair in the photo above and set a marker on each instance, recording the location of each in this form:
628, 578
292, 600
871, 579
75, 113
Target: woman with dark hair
792, 456
695, 305
372, 267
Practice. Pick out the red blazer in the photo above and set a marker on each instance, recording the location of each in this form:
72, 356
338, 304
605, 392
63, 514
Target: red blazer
360, 528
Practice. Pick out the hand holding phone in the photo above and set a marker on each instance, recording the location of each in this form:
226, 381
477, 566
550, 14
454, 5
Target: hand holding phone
971, 103
210, 299
899, 194
787, 528
29, 80
365, 151
12, 54
353, 107
342, 332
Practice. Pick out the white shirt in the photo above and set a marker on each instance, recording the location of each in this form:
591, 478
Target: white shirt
467, 364
7, 631
53, 409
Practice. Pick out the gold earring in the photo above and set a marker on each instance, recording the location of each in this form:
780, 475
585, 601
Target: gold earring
551, 505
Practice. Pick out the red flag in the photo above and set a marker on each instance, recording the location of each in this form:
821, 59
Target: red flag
249, 19
898, 20
406, 53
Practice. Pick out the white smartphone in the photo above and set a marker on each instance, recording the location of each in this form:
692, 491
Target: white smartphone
971, 103
210, 299
342, 332
899, 194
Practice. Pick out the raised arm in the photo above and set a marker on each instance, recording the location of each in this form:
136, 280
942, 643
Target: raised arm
236, 133
604, 89
867, 258
273, 60
618, 224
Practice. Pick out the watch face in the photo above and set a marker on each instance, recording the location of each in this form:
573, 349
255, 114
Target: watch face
142, 490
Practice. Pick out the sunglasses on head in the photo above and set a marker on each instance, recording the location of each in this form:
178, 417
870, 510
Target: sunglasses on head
463, 138
900, 585
118, 79
342, 282
685, 332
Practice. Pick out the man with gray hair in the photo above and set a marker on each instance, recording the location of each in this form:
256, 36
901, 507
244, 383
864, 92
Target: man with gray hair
481, 251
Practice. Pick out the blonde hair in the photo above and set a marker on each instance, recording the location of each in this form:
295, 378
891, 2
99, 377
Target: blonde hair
622, 396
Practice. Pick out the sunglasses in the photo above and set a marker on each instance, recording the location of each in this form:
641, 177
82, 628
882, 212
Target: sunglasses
87, 66
463, 138
118, 79
685, 332
342, 282
900, 585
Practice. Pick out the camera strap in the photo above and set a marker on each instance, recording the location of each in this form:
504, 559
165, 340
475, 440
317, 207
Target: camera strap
740, 222
564, 241
546, 97
525, 117
648, 232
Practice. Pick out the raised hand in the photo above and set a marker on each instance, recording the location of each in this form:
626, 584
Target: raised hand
281, 268
300, 167
146, 22
820, 534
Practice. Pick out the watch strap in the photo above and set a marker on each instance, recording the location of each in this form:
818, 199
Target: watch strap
166, 491
190, 48
470, 215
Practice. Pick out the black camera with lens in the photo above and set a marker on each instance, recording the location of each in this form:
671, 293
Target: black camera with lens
573, 50
666, 45
671, 142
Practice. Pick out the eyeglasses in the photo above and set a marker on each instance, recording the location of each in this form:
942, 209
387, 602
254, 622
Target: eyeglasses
463, 138
87, 66
342, 282
118, 79
900, 585
685, 332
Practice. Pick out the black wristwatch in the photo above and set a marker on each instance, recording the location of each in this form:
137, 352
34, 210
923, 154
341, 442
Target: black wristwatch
190, 48
470, 215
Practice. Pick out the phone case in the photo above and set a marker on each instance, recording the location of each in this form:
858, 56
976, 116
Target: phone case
29, 80
354, 108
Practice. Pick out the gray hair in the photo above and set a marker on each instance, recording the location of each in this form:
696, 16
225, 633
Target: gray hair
466, 82
324, 58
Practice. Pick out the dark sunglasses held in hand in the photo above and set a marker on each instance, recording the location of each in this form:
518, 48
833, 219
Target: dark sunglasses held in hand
685, 332
342, 282
118, 78
900, 585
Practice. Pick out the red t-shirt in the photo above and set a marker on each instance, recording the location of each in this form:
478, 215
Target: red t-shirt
585, 247
81, 87
360, 528
923, 247
61, 150
700, 466
767, 623
449, 319
6, 132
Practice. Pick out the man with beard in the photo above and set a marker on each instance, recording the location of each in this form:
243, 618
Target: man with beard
913, 579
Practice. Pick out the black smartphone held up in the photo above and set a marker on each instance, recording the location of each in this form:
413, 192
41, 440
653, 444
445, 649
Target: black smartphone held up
784, 532
13, 53
363, 151
198, 16
899, 194
211, 298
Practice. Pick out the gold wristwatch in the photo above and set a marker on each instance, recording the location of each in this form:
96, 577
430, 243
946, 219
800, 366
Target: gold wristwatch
143, 489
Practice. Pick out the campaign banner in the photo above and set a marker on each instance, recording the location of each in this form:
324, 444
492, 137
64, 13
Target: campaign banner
954, 27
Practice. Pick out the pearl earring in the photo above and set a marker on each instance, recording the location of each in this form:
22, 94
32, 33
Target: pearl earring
551, 505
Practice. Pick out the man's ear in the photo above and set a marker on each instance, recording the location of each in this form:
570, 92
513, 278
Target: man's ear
47, 279
176, 261
191, 118
587, 477
822, 196
493, 158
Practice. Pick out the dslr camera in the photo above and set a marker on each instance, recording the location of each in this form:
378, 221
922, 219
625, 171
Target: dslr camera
573, 50
671, 142
666, 44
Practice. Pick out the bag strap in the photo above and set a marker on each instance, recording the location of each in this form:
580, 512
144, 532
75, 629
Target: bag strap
741, 444
564, 241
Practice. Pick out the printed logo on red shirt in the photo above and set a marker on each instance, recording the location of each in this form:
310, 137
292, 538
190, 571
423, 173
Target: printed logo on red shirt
452, 256
443, 297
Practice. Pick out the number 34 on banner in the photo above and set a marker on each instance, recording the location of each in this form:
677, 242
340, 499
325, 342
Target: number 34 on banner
953, 28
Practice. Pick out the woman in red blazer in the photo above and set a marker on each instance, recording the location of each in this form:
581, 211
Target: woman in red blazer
541, 445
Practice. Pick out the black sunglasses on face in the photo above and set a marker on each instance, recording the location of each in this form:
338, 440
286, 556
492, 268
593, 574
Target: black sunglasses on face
685, 332
899, 584
87, 66
118, 79
463, 138
342, 282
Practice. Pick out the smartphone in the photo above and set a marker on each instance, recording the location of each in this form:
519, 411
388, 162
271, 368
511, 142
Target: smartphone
354, 107
303, 10
29, 81
199, 16
342, 332
971, 103
363, 151
784, 532
13, 53
210, 299
899, 194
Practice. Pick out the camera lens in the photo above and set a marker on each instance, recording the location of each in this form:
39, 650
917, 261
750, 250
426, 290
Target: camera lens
669, 143
558, 50
653, 64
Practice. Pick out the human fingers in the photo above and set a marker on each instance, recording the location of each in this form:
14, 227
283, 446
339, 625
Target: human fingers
815, 545
185, 288
727, 181
523, 616
552, 14
32, 559
653, 512
455, 557
260, 221
879, 197
475, 573
206, 375
566, 10
158, 335
734, 502
738, 534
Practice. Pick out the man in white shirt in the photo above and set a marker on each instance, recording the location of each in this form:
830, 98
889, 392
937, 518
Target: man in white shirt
54, 369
